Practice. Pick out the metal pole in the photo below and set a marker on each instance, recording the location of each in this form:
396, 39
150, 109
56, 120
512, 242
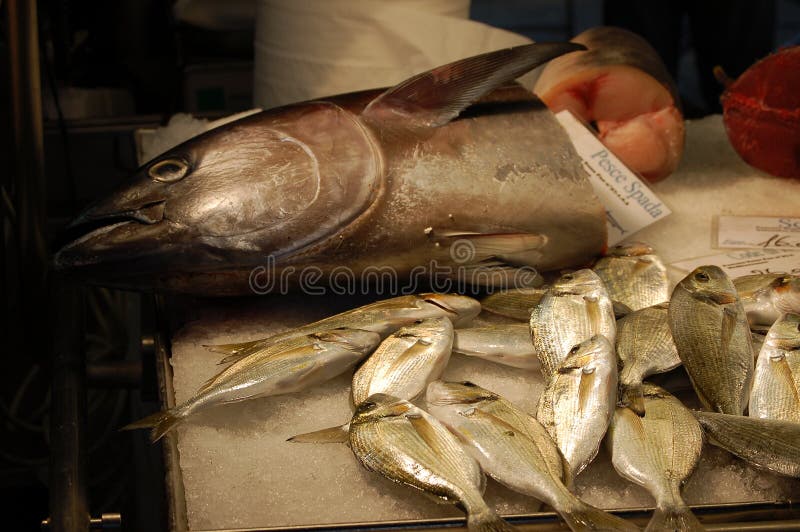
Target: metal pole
69, 511
26, 99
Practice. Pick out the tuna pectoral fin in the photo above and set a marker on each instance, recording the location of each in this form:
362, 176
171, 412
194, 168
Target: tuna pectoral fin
516, 249
677, 518
433, 98
160, 423
338, 434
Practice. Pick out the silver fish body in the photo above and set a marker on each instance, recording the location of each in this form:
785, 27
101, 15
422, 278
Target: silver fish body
578, 402
776, 384
766, 296
325, 356
514, 449
509, 345
575, 308
770, 444
634, 275
516, 303
405, 444
710, 330
383, 317
377, 182
406, 361
658, 451
645, 347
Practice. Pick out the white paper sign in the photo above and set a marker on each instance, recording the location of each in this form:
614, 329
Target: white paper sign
747, 262
758, 232
629, 202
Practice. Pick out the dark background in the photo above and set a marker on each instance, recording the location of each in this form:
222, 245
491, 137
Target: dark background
160, 66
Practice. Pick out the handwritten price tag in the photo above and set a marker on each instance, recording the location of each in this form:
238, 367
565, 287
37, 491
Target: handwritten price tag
630, 204
758, 232
747, 262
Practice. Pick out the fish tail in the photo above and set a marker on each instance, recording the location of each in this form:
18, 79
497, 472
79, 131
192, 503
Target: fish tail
488, 521
337, 434
674, 518
582, 516
160, 423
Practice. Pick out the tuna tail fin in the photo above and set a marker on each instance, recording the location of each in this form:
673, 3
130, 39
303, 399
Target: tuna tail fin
678, 518
337, 434
488, 521
633, 397
585, 517
160, 423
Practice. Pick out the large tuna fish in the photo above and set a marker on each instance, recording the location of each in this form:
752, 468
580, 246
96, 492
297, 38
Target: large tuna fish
365, 180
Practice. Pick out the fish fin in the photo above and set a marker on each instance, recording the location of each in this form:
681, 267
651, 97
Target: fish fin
236, 357
488, 521
621, 309
793, 380
232, 349
435, 97
582, 516
515, 249
675, 518
425, 430
585, 390
160, 422
728, 328
594, 314
337, 434
415, 350
633, 398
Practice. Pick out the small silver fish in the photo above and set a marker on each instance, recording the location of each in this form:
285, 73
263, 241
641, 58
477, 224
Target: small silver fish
770, 444
406, 361
516, 303
710, 330
509, 345
658, 451
324, 356
383, 317
645, 347
514, 449
408, 446
402, 367
575, 308
634, 275
766, 296
577, 405
776, 385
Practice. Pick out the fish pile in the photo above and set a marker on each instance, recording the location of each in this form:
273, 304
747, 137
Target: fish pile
596, 335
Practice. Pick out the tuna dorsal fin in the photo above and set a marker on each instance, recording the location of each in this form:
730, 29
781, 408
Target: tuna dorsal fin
435, 97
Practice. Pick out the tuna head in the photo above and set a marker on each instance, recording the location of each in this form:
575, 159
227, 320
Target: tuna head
269, 184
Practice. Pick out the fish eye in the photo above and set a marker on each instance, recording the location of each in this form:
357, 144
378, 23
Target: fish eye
568, 277
702, 277
367, 405
169, 170
574, 349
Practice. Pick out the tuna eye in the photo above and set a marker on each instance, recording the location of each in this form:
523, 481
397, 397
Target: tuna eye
169, 170
702, 277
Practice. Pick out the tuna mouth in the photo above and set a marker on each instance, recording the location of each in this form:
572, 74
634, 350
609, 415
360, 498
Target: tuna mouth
90, 223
